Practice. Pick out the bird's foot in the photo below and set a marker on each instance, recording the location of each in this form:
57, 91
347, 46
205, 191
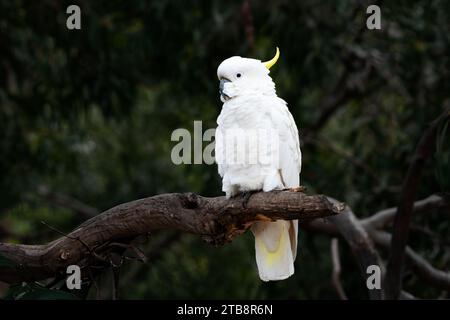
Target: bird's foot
296, 189
246, 197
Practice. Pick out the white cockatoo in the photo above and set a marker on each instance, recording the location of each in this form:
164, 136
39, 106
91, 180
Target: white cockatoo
257, 148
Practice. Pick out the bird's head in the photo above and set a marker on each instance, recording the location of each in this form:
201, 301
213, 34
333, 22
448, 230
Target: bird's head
242, 76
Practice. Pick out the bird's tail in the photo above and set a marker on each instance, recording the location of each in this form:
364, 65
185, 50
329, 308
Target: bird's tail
275, 247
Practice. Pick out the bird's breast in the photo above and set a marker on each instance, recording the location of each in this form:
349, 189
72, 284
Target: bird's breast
241, 113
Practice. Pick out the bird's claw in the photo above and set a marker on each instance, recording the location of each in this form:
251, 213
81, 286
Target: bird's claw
246, 197
297, 189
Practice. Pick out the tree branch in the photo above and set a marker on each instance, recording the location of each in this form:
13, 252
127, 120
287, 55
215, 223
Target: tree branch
373, 225
336, 274
218, 220
382, 218
421, 267
402, 219
360, 243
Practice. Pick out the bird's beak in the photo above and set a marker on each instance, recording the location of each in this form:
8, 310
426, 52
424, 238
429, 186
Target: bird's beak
221, 87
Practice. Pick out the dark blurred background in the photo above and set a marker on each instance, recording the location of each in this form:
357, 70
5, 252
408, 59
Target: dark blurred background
86, 117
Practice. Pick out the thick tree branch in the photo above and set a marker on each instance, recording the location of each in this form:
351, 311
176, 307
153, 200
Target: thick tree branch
217, 220
360, 243
424, 150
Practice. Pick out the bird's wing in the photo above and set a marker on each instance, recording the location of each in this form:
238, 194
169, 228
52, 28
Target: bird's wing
290, 160
290, 157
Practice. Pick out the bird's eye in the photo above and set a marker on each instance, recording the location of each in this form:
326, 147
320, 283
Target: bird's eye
238, 75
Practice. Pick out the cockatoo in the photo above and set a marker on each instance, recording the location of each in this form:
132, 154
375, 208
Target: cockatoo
262, 126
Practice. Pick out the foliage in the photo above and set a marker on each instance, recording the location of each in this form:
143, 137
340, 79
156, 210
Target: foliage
89, 114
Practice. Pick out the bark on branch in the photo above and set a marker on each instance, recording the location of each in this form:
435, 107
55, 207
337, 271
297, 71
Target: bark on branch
217, 220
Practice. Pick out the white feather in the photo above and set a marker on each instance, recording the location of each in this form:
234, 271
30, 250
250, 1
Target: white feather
252, 105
